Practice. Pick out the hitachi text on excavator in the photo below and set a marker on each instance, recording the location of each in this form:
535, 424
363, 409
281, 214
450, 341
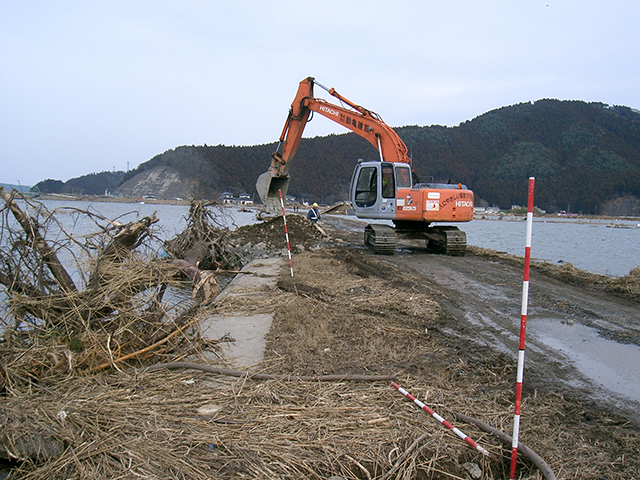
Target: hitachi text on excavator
383, 189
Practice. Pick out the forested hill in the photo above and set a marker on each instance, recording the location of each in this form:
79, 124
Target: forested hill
582, 155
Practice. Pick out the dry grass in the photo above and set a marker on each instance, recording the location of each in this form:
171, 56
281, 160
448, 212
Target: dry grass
90, 342
626, 286
186, 426
191, 425
343, 312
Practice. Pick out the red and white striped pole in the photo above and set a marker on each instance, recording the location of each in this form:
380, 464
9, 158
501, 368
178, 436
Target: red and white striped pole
286, 233
523, 330
440, 419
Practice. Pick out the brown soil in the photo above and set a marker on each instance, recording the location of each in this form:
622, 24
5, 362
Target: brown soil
272, 234
416, 316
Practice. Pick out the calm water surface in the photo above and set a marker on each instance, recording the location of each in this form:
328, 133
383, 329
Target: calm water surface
601, 246
172, 218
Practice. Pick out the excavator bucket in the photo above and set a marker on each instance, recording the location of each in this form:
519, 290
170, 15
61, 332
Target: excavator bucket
269, 188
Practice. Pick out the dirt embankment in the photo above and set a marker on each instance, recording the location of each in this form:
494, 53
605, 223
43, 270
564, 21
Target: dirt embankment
345, 311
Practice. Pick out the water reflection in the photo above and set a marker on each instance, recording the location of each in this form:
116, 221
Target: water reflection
611, 364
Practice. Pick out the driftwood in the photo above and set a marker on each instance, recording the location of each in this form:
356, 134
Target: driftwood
205, 285
116, 312
38, 283
32, 230
120, 246
203, 243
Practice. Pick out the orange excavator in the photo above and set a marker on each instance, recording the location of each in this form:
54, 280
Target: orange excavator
382, 189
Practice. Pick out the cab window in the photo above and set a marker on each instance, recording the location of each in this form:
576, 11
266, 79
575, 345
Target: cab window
388, 185
366, 187
403, 177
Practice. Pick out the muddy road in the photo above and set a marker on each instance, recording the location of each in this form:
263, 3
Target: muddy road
580, 342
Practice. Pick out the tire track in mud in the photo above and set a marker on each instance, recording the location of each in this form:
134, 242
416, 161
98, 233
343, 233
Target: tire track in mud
580, 342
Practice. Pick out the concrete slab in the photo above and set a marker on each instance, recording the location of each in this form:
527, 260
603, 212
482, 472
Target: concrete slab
253, 278
248, 331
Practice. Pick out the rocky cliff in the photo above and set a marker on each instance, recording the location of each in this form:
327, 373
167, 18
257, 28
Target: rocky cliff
162, 182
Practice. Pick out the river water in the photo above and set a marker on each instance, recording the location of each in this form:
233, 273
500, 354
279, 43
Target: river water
609, 247
172, 218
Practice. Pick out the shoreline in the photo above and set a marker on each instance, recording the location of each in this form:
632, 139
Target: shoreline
477, 216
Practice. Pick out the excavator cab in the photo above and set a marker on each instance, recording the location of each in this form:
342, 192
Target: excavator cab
385, 191
374, 185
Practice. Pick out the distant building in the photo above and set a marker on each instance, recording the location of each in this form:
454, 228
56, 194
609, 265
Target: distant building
226, 197
489, 210
245, 199
242, 199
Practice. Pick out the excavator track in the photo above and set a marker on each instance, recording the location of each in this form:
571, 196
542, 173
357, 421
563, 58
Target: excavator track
380, 238
447, 240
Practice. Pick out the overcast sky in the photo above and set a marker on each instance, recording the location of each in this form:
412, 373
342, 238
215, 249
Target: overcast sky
92, 85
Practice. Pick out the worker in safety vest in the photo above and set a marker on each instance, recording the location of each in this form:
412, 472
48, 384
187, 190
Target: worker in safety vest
314, 213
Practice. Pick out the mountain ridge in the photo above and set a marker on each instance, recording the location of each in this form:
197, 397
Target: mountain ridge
584, 156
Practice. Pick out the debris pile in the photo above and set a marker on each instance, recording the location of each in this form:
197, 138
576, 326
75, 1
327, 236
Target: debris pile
85, 304
107, 299
207, 244
203, 243
269, 236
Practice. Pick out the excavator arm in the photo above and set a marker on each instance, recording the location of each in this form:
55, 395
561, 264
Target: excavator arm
363, 122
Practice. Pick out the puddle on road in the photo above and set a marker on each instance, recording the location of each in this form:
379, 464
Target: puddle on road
605, 362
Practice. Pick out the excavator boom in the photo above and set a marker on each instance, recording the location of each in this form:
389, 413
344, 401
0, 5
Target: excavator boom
363, 122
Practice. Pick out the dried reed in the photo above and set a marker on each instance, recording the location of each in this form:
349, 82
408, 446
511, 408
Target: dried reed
344, 312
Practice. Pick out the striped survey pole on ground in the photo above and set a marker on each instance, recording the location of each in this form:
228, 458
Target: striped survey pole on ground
440, 419
523, 330
286, 232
